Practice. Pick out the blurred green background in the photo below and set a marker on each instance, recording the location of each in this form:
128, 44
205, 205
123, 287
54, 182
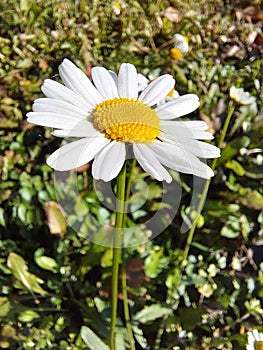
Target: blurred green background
53, 280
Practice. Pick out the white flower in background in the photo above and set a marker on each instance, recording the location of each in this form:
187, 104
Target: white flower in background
240, 96
109, 117
180, 47
116, 8
255, 340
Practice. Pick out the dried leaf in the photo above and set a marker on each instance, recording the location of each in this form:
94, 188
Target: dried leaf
55, 219
43, 64
173, 15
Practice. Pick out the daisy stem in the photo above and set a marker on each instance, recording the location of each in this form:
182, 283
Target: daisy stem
123, 270
126, 308
207, 183
121, 179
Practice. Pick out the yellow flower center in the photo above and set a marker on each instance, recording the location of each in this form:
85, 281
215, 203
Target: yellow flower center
176, 54
259, 345
126, 120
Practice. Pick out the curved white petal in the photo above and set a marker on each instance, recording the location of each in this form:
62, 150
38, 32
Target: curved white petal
176, 158
57, 106
184, 134
128, 81
197, 148
58, 91
150, 163
114, 76
108, 163
157, 90
178, 107
77, 153
189, 124
142, 82
53, 120
104, 83
76, 80
83, 129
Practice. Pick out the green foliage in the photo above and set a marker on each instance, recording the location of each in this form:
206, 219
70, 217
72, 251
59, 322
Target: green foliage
54, 282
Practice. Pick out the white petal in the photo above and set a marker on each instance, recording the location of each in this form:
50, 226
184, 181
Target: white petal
77, 153
114, 76
157, 90
128, 81
76, 80
108, 163
150, 163
142, 82
104, 83
197, 148
57, 106
83, 129
189, 124
58, 91
180, 160
53, 120
178, 107
184, 134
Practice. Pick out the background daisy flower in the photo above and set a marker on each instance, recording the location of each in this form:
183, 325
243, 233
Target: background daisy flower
255, 340
240, 96
180, 47
108, 116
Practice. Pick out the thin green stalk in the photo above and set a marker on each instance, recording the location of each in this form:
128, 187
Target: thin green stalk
123, 270
121, 180
207, 183
126, 308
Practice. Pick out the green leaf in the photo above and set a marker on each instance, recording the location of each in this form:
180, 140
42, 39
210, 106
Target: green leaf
28, 316
120, 339
251, 199
19, 269
155, 262
92, 340
138, 334
190, 317
232, 228
5, 306
235, 166
151, 313
45, 262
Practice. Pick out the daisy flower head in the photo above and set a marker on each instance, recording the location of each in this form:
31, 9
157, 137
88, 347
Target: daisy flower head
180, 47
116, 7
255, 340
240, 96
109, 117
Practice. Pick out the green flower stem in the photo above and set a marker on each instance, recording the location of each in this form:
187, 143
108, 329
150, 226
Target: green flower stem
123, 270
126, 308
121, 180
206, 186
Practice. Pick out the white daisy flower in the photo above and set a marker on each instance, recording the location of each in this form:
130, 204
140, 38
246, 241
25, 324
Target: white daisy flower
240, 96
255, 340
109, 118
116, 8
181, 43
180, 48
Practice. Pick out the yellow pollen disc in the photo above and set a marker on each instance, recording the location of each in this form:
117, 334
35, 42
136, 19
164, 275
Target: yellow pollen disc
259, 345
176, 54
126, 120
